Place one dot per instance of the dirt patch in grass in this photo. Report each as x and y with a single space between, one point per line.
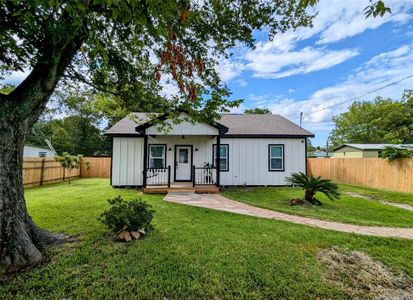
399 205
357 195
360 276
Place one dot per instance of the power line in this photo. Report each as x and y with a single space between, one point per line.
355 98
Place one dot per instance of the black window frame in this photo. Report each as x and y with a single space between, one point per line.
149 155
269 158
214 146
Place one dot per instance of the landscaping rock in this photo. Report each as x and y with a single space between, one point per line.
135 234
297 202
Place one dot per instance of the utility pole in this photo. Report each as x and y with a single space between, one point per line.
301 119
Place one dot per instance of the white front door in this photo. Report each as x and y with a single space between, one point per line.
183 163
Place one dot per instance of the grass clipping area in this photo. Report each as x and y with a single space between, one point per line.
361 276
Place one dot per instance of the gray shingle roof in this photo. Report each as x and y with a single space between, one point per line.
238 124
251 124
127 125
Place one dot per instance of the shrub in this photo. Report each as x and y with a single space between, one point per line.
69 162
392 153
312 185
131 215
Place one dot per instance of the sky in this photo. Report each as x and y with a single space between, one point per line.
344 55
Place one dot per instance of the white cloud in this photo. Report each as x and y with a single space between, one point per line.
341 19
335 21
379 71
273 63
242 82
229 70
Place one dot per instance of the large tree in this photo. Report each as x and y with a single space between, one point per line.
380 121
122 48
257 110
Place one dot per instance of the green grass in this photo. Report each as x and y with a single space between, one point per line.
193 253
347 209
390 196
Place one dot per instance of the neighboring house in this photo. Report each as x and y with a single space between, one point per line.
363 150
34 151
320 154
253 150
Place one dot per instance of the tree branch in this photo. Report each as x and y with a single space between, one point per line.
32 95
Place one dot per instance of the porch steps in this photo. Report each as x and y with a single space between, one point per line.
197 190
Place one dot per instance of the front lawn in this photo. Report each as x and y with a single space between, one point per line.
347 209
193 253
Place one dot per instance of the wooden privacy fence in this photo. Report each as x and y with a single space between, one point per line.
39 171
372 172
99 167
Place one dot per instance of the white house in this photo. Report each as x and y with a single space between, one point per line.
35 151
253 150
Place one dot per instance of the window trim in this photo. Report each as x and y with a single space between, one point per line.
149 155
214 158
269 158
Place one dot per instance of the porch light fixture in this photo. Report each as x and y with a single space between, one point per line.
169 149
196 149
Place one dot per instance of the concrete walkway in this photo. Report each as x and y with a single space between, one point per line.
218 202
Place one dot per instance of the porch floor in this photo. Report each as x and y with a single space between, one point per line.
182 187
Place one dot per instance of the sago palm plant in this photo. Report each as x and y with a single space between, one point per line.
312 185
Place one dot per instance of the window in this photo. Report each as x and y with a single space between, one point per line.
42 154
276 157
183 156
223 159
157 156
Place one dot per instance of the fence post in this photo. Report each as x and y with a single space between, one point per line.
42 172
64 173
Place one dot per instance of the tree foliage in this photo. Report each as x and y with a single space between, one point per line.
69 162
380 121
257 110
392 153
72 134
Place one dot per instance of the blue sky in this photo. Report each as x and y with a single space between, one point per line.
343 56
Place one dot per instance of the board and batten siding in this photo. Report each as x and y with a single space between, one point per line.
127 161
184 128
201 143
248 161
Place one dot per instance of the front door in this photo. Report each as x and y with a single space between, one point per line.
183 163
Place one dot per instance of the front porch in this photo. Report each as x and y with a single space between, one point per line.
181 187
181 163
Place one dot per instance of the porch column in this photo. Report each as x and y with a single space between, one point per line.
145 159
218 159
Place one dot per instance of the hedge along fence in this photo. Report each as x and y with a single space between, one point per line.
379 173
39 171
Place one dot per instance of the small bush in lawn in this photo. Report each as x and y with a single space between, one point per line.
128 219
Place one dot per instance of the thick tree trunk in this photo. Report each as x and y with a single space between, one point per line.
21 241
